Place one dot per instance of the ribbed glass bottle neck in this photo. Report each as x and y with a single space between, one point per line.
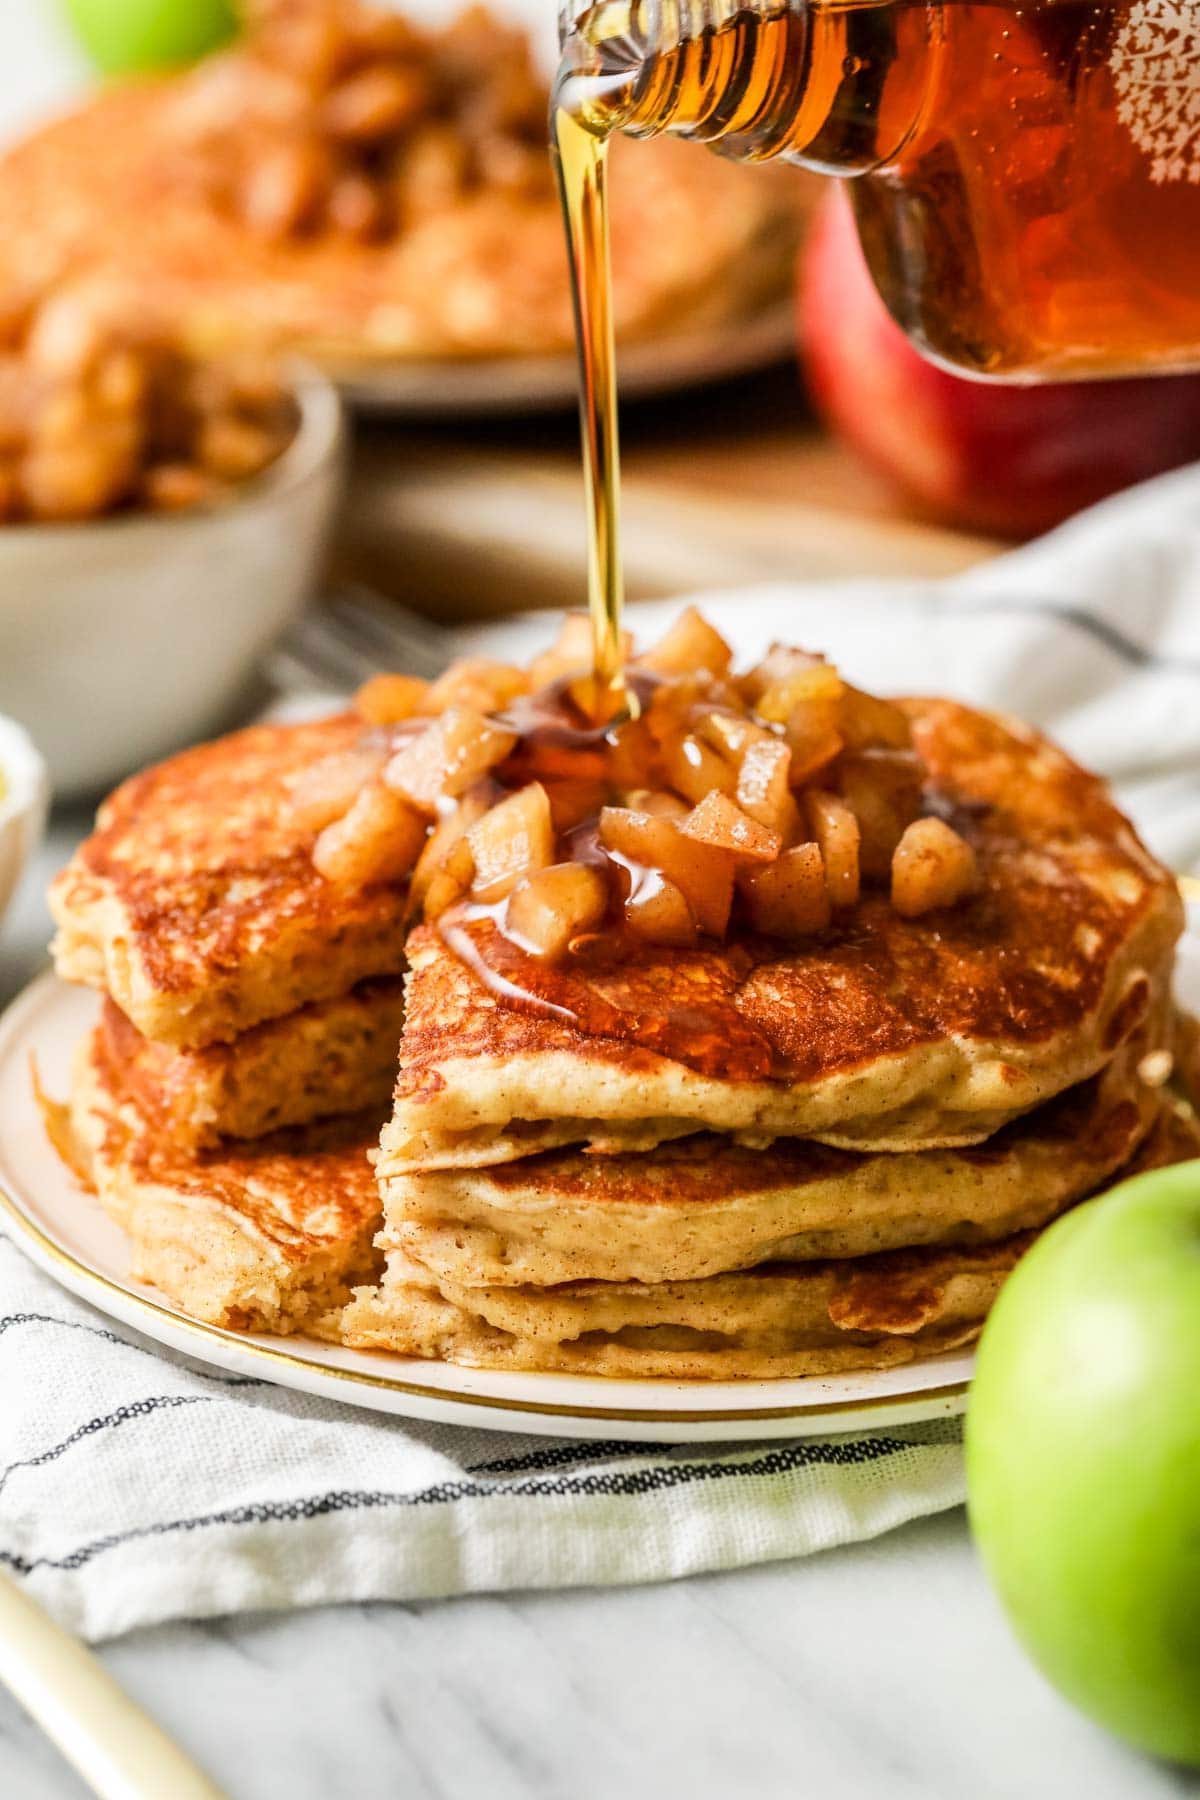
834 84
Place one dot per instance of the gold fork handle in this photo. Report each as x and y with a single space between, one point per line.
110 1742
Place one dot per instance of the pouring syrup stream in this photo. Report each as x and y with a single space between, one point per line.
581 161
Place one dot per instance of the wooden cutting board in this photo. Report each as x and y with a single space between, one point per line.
734 486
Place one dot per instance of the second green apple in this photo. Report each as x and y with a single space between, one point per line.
126 37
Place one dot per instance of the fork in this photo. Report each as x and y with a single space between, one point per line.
352 635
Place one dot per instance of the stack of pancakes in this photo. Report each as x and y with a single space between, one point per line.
789 1159
224 1104
937 1090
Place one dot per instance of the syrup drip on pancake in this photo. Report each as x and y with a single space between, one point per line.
710 1036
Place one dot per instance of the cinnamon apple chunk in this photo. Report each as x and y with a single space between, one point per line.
689 644
571 653
658 911
882 788
837 835
724 826
694 769
478 682
703 873
867 722
513 839
933 866
549 909
379 839
446 834
391 699
451 881
450 754
326 789
788 898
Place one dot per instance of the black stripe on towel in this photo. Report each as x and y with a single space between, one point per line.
136 1409
612 1484
1078 616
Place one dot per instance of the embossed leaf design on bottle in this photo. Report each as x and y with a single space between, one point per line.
1156 70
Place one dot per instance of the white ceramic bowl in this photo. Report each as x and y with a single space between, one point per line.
124 638
24 796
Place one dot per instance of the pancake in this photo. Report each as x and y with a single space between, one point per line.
885 1033
701 1206
334 1057
778 1320
195 903
694 243
264 1237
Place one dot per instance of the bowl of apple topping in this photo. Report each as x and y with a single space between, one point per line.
162 517
711 805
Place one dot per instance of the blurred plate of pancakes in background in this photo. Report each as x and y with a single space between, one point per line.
375 192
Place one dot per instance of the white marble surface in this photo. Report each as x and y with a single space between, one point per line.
883 1670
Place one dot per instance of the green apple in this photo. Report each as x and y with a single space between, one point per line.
123 37
1083 1458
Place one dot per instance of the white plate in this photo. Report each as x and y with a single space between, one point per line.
499 386
66 1234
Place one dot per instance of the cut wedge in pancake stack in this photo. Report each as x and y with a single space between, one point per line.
753 1031
225 1102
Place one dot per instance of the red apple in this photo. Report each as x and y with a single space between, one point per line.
1007 460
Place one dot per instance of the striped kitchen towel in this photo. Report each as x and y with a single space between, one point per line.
136 1488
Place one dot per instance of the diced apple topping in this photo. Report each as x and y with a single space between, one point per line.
548 910
327 789
379 839
451 753
836 831
480 683
717 821
695 770
933 866
444 837
788 898
570 654
769 799
691 643
820 685
764 785
868 723
390 699
660 805
658 911
882 788
780 662
450 883
703 873
514 839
